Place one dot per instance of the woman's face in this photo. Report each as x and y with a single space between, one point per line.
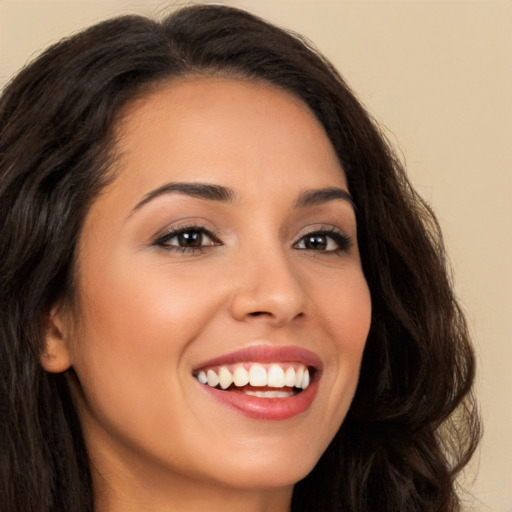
224 248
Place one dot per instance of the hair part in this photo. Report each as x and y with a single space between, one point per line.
401 446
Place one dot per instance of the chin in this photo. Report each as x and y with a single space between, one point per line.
264 477
265 469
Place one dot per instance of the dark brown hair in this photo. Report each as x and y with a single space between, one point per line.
401 445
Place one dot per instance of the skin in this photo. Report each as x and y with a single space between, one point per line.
146 314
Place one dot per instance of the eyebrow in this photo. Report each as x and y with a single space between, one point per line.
320 196
199 190
308 198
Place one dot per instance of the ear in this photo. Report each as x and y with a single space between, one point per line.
56 357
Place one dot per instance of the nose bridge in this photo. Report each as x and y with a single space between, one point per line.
267 284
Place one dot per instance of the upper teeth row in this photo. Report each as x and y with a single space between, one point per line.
256 375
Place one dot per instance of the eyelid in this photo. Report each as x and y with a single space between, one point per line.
182 224
160 239
340 236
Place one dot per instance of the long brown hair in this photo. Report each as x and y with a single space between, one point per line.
412 425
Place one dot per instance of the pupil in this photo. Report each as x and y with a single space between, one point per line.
316 242
190 239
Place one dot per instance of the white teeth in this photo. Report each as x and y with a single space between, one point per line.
269 394
275 376
298 377
257 375
240 376
225 377
289 377
305 379
213 378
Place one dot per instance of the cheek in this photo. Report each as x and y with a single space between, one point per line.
353 316
146 307
135 328
349 325
344 309
344 315
133 334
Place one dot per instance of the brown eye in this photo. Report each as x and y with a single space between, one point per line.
190 239
316 242
185 239
324 241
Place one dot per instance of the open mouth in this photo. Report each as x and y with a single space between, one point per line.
263 382
272 380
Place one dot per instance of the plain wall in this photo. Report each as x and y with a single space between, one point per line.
438 76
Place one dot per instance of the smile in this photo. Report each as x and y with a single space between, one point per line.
294 377
270 383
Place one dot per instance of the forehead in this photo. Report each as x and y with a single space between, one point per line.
218 128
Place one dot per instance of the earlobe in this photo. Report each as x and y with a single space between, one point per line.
56 357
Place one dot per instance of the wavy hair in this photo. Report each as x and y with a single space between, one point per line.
412 425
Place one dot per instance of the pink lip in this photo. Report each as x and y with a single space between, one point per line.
266 408
265 354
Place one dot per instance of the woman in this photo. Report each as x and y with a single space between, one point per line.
218 289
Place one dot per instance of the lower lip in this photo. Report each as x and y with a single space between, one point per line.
275 409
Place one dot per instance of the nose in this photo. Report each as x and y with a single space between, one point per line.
267 289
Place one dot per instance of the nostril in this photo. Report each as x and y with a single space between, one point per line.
256 314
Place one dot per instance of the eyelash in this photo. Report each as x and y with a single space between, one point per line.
342 241
163 241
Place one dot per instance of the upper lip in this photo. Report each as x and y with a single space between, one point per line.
265 354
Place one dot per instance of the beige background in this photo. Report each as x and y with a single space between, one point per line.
438 76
